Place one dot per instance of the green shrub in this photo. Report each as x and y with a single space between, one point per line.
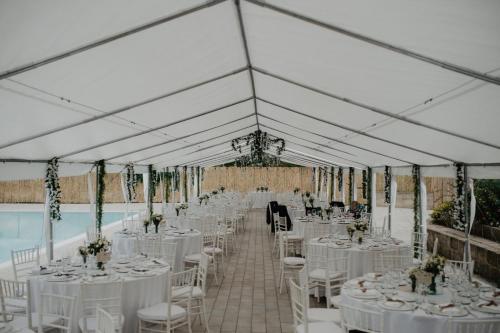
443 214
487 192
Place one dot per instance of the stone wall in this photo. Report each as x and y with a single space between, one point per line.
485 253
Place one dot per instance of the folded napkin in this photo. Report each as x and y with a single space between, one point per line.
490 303
389 299
446 306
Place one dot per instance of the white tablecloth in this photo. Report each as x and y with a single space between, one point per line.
124 245
137 293
362 261
411 321
261 199
334 227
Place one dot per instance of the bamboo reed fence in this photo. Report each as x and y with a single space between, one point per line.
278 179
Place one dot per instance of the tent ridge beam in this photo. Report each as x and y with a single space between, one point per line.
415 55
154 128
374 109
105 40
313 148
123 109
357 131
247 56
179 138
335 140
298 152
194 144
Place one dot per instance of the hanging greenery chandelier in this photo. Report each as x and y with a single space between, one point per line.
260 144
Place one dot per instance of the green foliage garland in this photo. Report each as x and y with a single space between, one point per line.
151 189
100 188
365 181
340 180
369 181
351 184
387 184
459 213
53 189
130 182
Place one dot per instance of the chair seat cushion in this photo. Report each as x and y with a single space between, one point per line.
212 250
159 312
294 237
92 323
193 257
322 314
182 292
46 320
336 300
320 327
15 305
294 261
320 274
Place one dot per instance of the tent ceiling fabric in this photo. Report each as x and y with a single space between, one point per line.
169 83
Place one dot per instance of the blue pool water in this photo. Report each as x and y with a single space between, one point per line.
20 230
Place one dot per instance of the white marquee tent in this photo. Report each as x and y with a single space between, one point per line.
345 83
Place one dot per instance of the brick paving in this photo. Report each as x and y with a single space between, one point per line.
248 298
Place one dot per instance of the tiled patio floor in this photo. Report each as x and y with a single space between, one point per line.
248 298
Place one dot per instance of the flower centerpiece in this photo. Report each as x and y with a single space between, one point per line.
181 208
350 230
296 190
221 189
427 272
434 265
204 198
156 219
215 192
266 188
84 252
100 248
360 227
328 212
146 225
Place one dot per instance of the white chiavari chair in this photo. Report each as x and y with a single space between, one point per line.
13 298
107 295
105 322
168 252
24 261
327 269
170 315
54 312
300 310
289 264
149 246
198 305
395 262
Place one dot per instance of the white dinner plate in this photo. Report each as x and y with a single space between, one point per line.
396 305
63 278
364 293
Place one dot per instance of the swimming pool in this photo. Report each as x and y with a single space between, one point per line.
20 230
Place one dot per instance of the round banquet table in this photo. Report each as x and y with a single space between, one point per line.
362 257
336 226
137 293
125 244
411 321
